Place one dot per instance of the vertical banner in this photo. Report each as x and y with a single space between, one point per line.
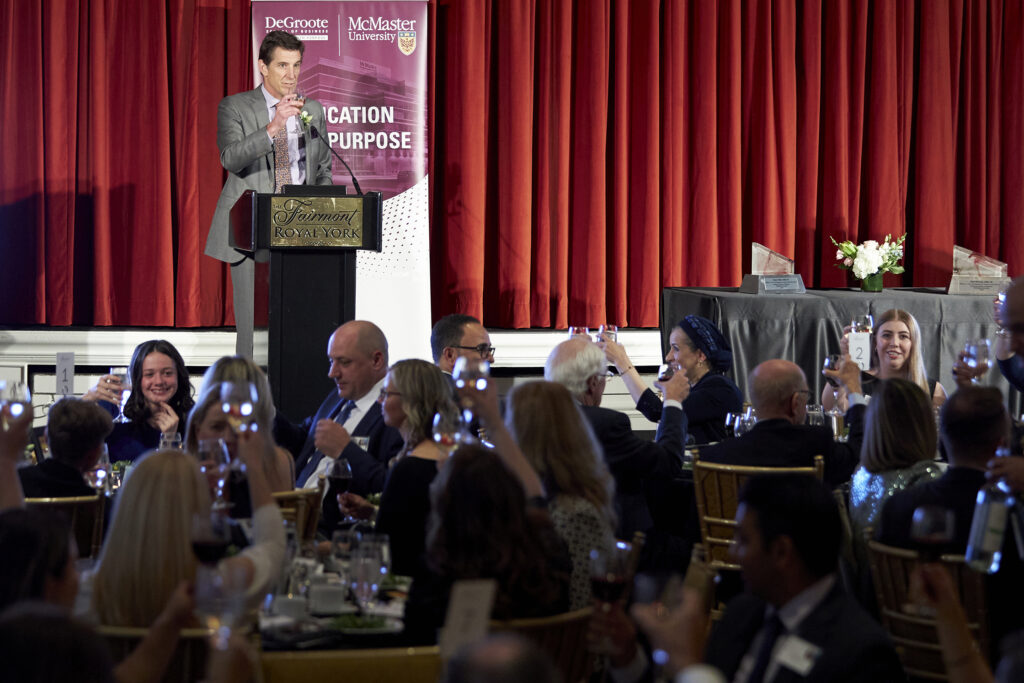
366 63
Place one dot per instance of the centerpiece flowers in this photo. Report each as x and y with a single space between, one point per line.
870 260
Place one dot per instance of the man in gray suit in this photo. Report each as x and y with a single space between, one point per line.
264 145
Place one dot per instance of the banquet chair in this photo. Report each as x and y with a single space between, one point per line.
84 513
912 630
302 507
563 637
188 662
406 664
717 488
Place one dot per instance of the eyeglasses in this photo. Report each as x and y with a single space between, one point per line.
485 350
384 393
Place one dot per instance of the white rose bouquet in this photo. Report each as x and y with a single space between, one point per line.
870 258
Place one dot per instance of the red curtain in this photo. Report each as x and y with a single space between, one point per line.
584 154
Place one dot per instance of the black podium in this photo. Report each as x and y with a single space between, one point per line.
304 242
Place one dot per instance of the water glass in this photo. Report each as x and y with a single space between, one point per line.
17 398
214 463
815 415
170 440
365 576
238 401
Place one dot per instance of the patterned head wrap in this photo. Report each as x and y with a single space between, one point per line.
706 337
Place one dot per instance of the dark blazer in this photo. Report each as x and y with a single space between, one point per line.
710 399
779 443
633 461
53 479
369 466
853 646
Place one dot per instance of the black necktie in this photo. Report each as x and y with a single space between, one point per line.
340 415
769 634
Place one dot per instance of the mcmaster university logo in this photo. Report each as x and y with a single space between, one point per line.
407 42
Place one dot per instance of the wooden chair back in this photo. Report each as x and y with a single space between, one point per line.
407 664
717 488
188 662
85 514
913 630
563 637
302 508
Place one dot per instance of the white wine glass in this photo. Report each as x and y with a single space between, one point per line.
124 378
238 403
977 355
214 463
470 372
449 430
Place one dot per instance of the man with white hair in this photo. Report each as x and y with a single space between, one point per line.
636 465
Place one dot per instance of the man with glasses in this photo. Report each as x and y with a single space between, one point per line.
458 335
636 464
779 394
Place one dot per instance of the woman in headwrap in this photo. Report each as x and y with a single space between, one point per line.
697 348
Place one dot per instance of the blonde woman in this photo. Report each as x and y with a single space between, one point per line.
895 353
413 392
206 421
558 442
148 549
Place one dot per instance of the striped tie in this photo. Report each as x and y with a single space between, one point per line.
282 164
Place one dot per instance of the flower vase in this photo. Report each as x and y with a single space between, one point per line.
872 283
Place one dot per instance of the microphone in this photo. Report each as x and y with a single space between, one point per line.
314 133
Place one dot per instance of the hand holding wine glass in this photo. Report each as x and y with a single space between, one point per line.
214 463
976 355
211 536
123 378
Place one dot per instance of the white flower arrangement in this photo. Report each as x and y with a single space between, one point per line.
305 117
870 258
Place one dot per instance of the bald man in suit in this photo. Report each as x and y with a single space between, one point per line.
247 125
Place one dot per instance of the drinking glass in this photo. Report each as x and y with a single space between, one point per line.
608 332
665 372
171 441
214 462
219 600
16 397
977 355
211 536
97 479
472 372
609 568
339 478
730 424
237 402
122 375
365 576
579 331
449 430
342 544
931 529
744 423
381 545
862 323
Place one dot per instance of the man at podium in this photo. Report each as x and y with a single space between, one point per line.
265 143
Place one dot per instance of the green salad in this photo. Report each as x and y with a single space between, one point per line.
358 621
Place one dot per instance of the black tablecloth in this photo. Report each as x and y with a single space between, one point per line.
804 328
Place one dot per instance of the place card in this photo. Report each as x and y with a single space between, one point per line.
65 373
469 613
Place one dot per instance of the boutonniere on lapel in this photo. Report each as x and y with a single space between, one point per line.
305 117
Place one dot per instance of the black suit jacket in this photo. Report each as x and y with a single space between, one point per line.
634 462
369 466
779 443
53 479
853 647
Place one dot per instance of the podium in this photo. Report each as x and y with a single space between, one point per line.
304 242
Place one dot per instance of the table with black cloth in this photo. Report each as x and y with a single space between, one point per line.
804 328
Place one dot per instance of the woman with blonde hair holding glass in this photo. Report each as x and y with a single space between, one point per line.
895 353
557 440
208 421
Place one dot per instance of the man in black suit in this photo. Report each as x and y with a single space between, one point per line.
973 424
348 423
795 622
458 335
779 394
636 465
75 431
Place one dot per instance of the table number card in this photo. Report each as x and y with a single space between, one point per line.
65 373
860 349
469 611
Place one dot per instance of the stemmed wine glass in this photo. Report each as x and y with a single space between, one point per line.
237 402
214 462
449 430
609 569
470 372
862 323
170 440
931 530
977 356
211 536
219 600
16 397
124 377
579 331
608 332
365 575
339 478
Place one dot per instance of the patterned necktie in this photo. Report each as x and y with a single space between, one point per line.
340 415
282 164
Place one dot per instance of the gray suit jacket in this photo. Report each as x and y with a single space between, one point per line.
247 153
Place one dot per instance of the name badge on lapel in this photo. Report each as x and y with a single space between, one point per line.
797 655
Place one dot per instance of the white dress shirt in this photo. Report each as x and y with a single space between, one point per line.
296 140
358 413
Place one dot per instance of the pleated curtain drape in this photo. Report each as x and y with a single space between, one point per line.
584 154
